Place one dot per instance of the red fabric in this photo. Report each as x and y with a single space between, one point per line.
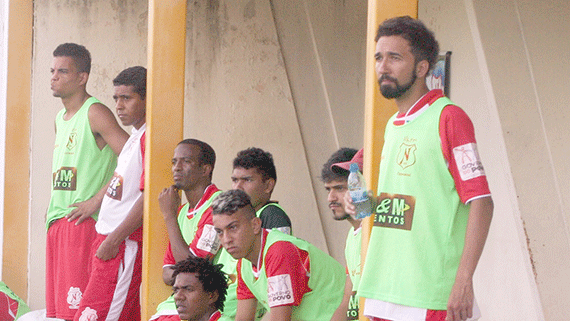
281 258
143 149
68 262
206 219
8 307
104 290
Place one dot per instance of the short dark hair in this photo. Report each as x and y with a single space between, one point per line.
78 53
254 157
421 39
342 155
211 276
207 154
133 76
231 201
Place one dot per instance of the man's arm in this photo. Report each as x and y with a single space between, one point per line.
106 129
169 201
280 313
246 310
84 210
460 304
110 246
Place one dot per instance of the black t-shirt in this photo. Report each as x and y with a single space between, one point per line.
272 216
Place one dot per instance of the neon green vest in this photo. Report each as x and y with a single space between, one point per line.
420 222
21 305
326 281
188 228
79 167
352 255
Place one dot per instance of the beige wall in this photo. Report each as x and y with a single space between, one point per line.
286 79
116 36
289 79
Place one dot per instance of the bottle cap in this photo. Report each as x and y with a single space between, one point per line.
353 167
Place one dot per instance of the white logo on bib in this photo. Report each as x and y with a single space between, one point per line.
279 290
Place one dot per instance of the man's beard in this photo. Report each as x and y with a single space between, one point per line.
390 92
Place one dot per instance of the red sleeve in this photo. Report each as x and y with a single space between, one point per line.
143 149
287 268
243 292
205 242
460 152
168 257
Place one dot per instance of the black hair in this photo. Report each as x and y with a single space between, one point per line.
211 276
231 201
78 53
328 173
254 157
421 39
133 76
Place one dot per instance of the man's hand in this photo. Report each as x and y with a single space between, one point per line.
169 201
107 250
460 304
83 210
350 209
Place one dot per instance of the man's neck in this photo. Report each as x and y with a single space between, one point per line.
194 195
409 98
260 205
207 314
74 102
256 249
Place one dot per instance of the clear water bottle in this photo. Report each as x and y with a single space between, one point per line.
359 193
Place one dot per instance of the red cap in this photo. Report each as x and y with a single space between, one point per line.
358 159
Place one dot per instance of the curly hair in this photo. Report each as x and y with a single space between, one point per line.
254 157
211 276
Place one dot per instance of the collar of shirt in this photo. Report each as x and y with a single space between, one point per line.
418 108
211 189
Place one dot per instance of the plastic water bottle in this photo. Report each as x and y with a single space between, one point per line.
359 193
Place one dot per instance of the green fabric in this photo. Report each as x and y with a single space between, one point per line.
419 226
326 280
352 256
22 306
80 169
188 228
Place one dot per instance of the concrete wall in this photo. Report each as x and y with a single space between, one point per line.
273 75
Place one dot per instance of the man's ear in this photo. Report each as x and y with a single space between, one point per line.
213 297
422 69
256 225
83 77
269 185
207 169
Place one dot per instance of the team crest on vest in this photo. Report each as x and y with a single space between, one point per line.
72 139
406 155
74 297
